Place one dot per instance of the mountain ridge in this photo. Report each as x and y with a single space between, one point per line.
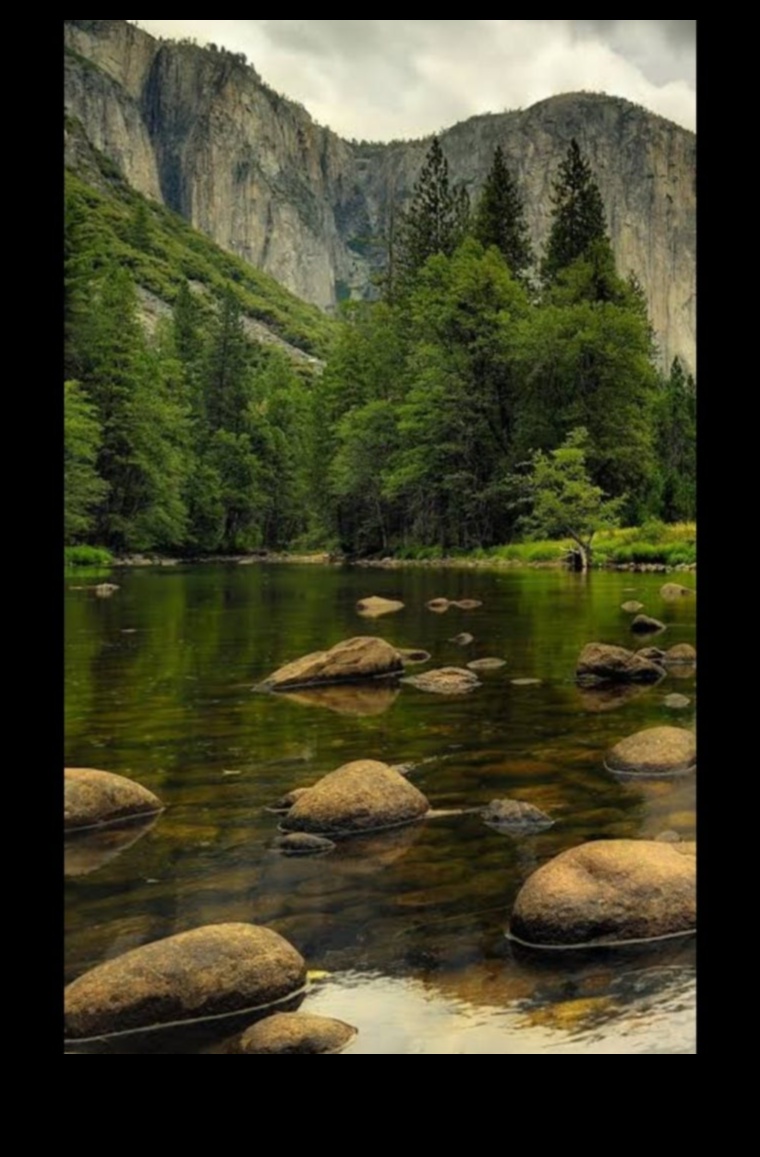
199 131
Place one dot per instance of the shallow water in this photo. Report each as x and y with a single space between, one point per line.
408 925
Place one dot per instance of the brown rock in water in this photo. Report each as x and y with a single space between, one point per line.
295 1032
364 795
373 607
676 702
644 625
463 639
285 802
675 591
411 656
468 604
438 605
600 662
608 891
653 654
609 696
681 653
488 664
222 968
105 590
631 607
654 751
445 681
91 798
515 815
353 660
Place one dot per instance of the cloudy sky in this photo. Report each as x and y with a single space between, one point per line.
380 79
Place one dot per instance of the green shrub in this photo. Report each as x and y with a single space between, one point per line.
87 556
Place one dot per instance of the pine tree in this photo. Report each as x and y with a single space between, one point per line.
226 373
578 218
500 219
435 222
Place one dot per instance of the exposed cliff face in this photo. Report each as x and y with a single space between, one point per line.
200 131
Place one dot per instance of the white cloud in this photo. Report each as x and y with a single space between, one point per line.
380 79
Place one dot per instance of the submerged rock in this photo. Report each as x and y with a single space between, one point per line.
438 605
644 625
285 802
676 702
105 590
374 606
488 664
92 797
632 607
605 892
91 848
654 751
445 681
211 971
463 639
364 657
364 795
600 662
295 1032
525 681
515 815
302 844
608 696
653 654
468 604
675 591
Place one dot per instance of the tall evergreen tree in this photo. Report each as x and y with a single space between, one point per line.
435 222
578 218
500 218
226 377
83 489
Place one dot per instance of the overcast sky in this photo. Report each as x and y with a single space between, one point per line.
383 79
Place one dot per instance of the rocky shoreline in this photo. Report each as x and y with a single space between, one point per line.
323 558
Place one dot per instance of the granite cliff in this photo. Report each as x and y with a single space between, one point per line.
199 130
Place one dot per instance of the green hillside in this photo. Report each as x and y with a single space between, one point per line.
162 252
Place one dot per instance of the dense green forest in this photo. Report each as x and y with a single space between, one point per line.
428 426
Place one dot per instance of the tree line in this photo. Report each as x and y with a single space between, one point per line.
438 405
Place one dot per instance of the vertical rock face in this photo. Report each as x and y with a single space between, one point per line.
199 130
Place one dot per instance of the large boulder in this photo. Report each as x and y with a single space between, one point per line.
655 751
606 892
601 663
361 796
295 1032
353 660
445 681
374 606
211 971
672 591
91 798
645 625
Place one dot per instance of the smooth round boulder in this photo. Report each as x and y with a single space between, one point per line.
210 971
364 657
654 751
645 625
93 798
445 681
463 639
515 815
603 663
361 796
373 607
632 607
295 1032
303 844
681 653
488 664
607 892
674 591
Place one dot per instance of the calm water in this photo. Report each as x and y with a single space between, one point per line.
408 926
